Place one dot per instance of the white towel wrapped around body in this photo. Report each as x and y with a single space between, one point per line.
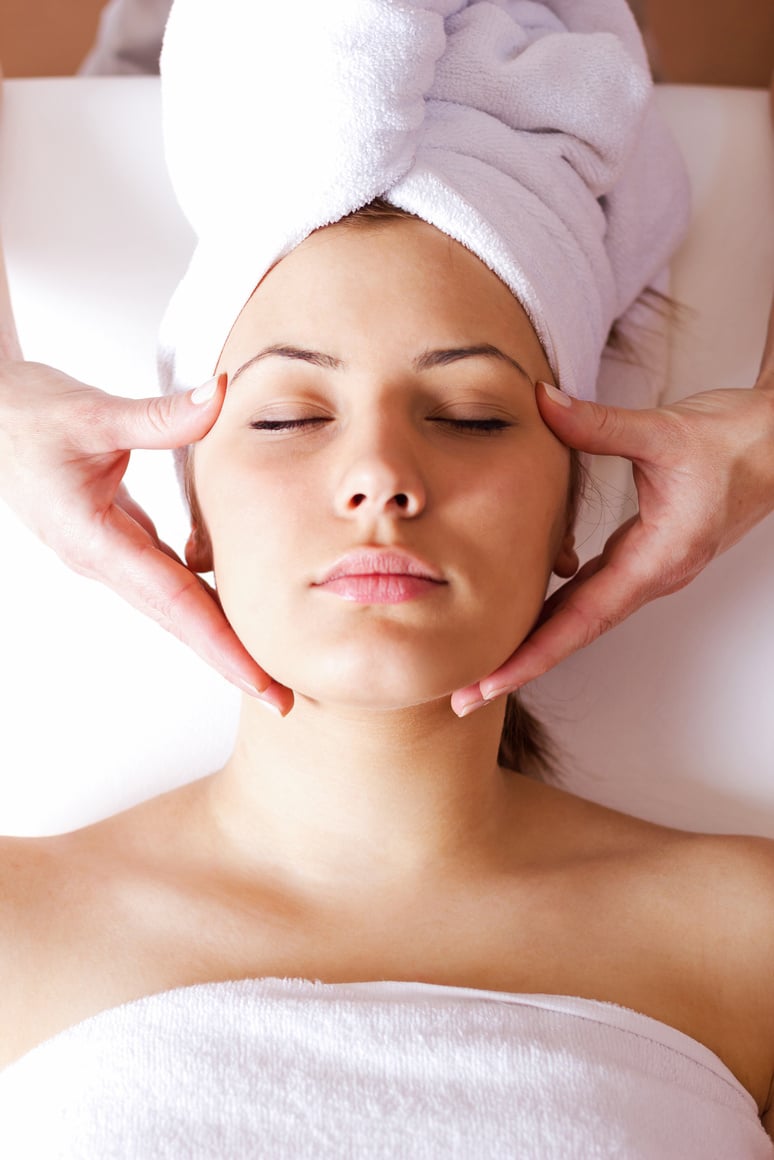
525 130
290 1069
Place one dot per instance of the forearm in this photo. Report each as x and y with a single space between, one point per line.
766 373
9 338
765 384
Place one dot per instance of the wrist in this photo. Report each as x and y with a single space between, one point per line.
766 373
765 380
765 386
10 350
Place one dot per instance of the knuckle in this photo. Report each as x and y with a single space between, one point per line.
669 439
168 605
86 416
608 420
590 625
683 572
82 547
157 414
105 419
78 552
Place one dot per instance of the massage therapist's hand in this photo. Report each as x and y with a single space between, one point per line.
64 449
704 472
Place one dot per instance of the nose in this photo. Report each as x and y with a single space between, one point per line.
381 478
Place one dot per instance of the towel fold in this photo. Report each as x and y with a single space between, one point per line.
527 131
289 1068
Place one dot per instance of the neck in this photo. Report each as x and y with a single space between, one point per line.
332 799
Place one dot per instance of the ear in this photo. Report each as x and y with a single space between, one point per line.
566 563
198 550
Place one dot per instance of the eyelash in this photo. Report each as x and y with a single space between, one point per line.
477 426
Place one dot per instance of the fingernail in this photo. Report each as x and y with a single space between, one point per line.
470 707
493 694
253 690
556 395
205 392
269 705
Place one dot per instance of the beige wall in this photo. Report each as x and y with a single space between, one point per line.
46 37
728 42
720 42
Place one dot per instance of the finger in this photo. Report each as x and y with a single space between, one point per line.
173 596
472 697
561 595
156 424
124 500
648 435
598 604
464 701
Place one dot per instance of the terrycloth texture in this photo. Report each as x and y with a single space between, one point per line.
525 130
282 1068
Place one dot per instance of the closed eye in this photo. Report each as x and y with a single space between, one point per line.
478 426
284 424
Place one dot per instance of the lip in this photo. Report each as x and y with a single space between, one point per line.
373 562
380 576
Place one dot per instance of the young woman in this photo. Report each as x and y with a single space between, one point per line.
382 507
381 518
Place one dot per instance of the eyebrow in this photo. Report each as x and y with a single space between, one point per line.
423 362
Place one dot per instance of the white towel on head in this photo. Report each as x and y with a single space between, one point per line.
290 1069
525 130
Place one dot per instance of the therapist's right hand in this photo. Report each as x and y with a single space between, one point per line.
64 449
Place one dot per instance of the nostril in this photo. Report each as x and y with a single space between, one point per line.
400 499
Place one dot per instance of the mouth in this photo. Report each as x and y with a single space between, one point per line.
380 577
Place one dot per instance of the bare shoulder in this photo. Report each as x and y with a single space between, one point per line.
25 877
704 906
96 917
55 890
734 874
721 886
60 925
27 887
728 880
41 881
738 889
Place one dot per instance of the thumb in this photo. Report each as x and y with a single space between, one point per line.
598 429
163 421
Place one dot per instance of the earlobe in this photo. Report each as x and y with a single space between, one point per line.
566 563
198 551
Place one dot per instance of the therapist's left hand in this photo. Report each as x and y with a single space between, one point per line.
704 472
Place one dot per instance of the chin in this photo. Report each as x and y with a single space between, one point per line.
379 678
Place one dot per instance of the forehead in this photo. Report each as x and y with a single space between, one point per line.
387 288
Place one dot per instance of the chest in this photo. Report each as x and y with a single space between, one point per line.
585 932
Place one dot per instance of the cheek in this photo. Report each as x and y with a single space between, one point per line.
250 516
524 529
261 517
520 512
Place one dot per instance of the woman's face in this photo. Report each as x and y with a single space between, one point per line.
362 446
